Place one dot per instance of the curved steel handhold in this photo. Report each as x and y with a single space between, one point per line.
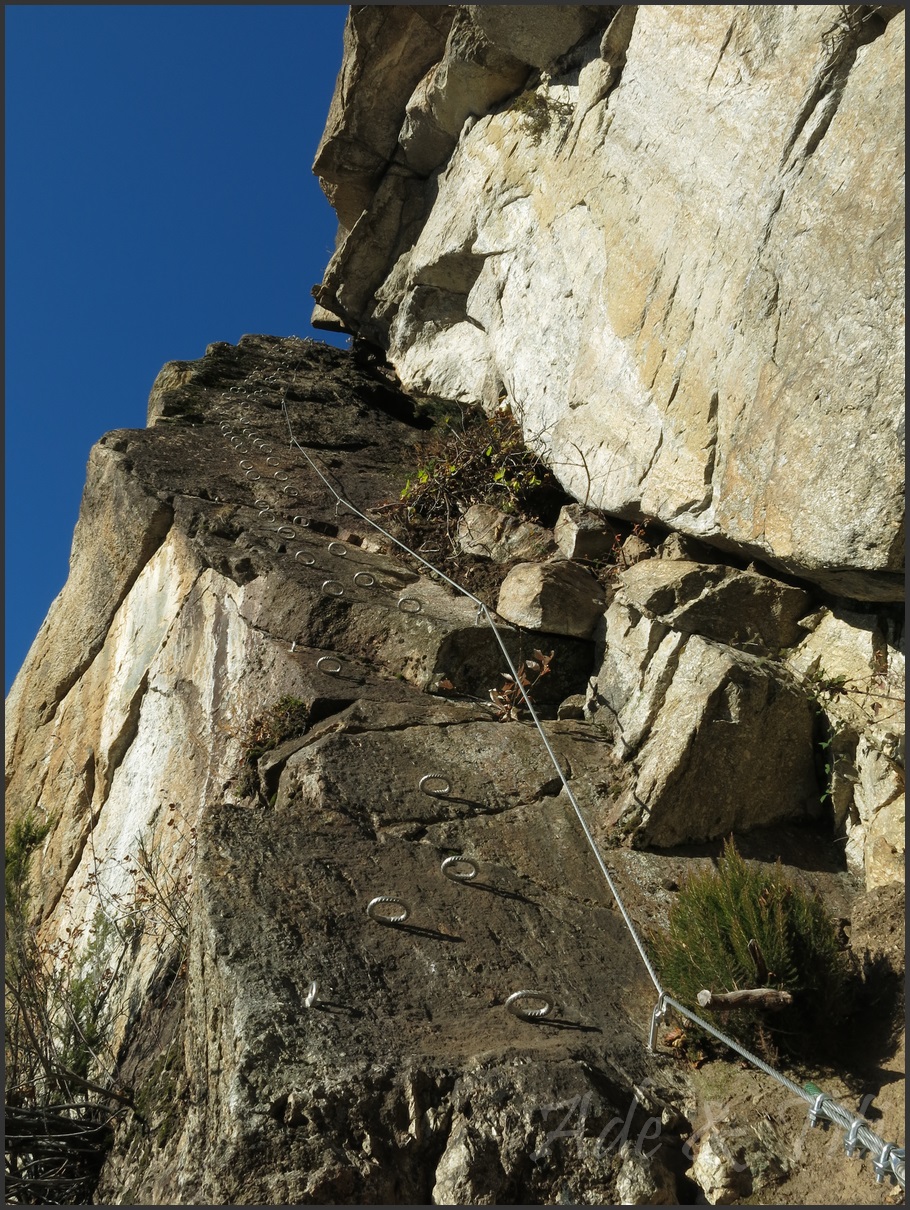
290 491
323 665
263 511
303 522
409 605
333 588
281 476
252 476
338 548
364 579
513 1004
272 462
438 793
310 998
245 464
375 910
268 449
449 868
285 531
305 558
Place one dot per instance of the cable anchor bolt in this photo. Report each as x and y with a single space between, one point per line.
660 1011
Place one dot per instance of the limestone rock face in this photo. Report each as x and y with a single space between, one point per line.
680 253
282 1046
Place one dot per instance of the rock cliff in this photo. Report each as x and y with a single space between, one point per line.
671 234
249 715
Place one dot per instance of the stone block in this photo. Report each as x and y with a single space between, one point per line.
558 597
581 534
492 534
741 608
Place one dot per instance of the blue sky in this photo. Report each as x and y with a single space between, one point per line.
159 196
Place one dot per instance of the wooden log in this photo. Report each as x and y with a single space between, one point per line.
751 997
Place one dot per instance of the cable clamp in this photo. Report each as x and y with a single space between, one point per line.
882 1166
851 1142
815 1112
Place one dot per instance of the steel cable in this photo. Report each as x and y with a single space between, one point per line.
890 1159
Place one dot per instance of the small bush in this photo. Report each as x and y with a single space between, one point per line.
483 461
537 111
745 926
287 718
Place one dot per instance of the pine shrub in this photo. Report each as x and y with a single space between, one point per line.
744 925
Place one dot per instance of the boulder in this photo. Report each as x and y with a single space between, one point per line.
558 597
581 534
716 740
387 49
852 670
492 534
472 76
741 608
535 33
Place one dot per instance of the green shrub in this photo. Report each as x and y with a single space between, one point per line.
742 925
537 112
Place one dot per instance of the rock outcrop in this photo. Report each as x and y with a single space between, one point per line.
277 1043
285 827
679 251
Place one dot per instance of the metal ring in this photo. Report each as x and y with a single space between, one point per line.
267 449
308 560
364 579
263 511
422 785
329 586
324 660
303 522
225 427
513 1004
246 465
241 449
405 605
261 504
448 868
236 439
258 442
290 491
252 476
388 918
285 531
272 462
338 548
281 476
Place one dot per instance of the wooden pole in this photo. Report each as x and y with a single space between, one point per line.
753 997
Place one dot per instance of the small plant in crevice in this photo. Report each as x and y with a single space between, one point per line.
288 717
741 926
508 701
478 460
537 112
